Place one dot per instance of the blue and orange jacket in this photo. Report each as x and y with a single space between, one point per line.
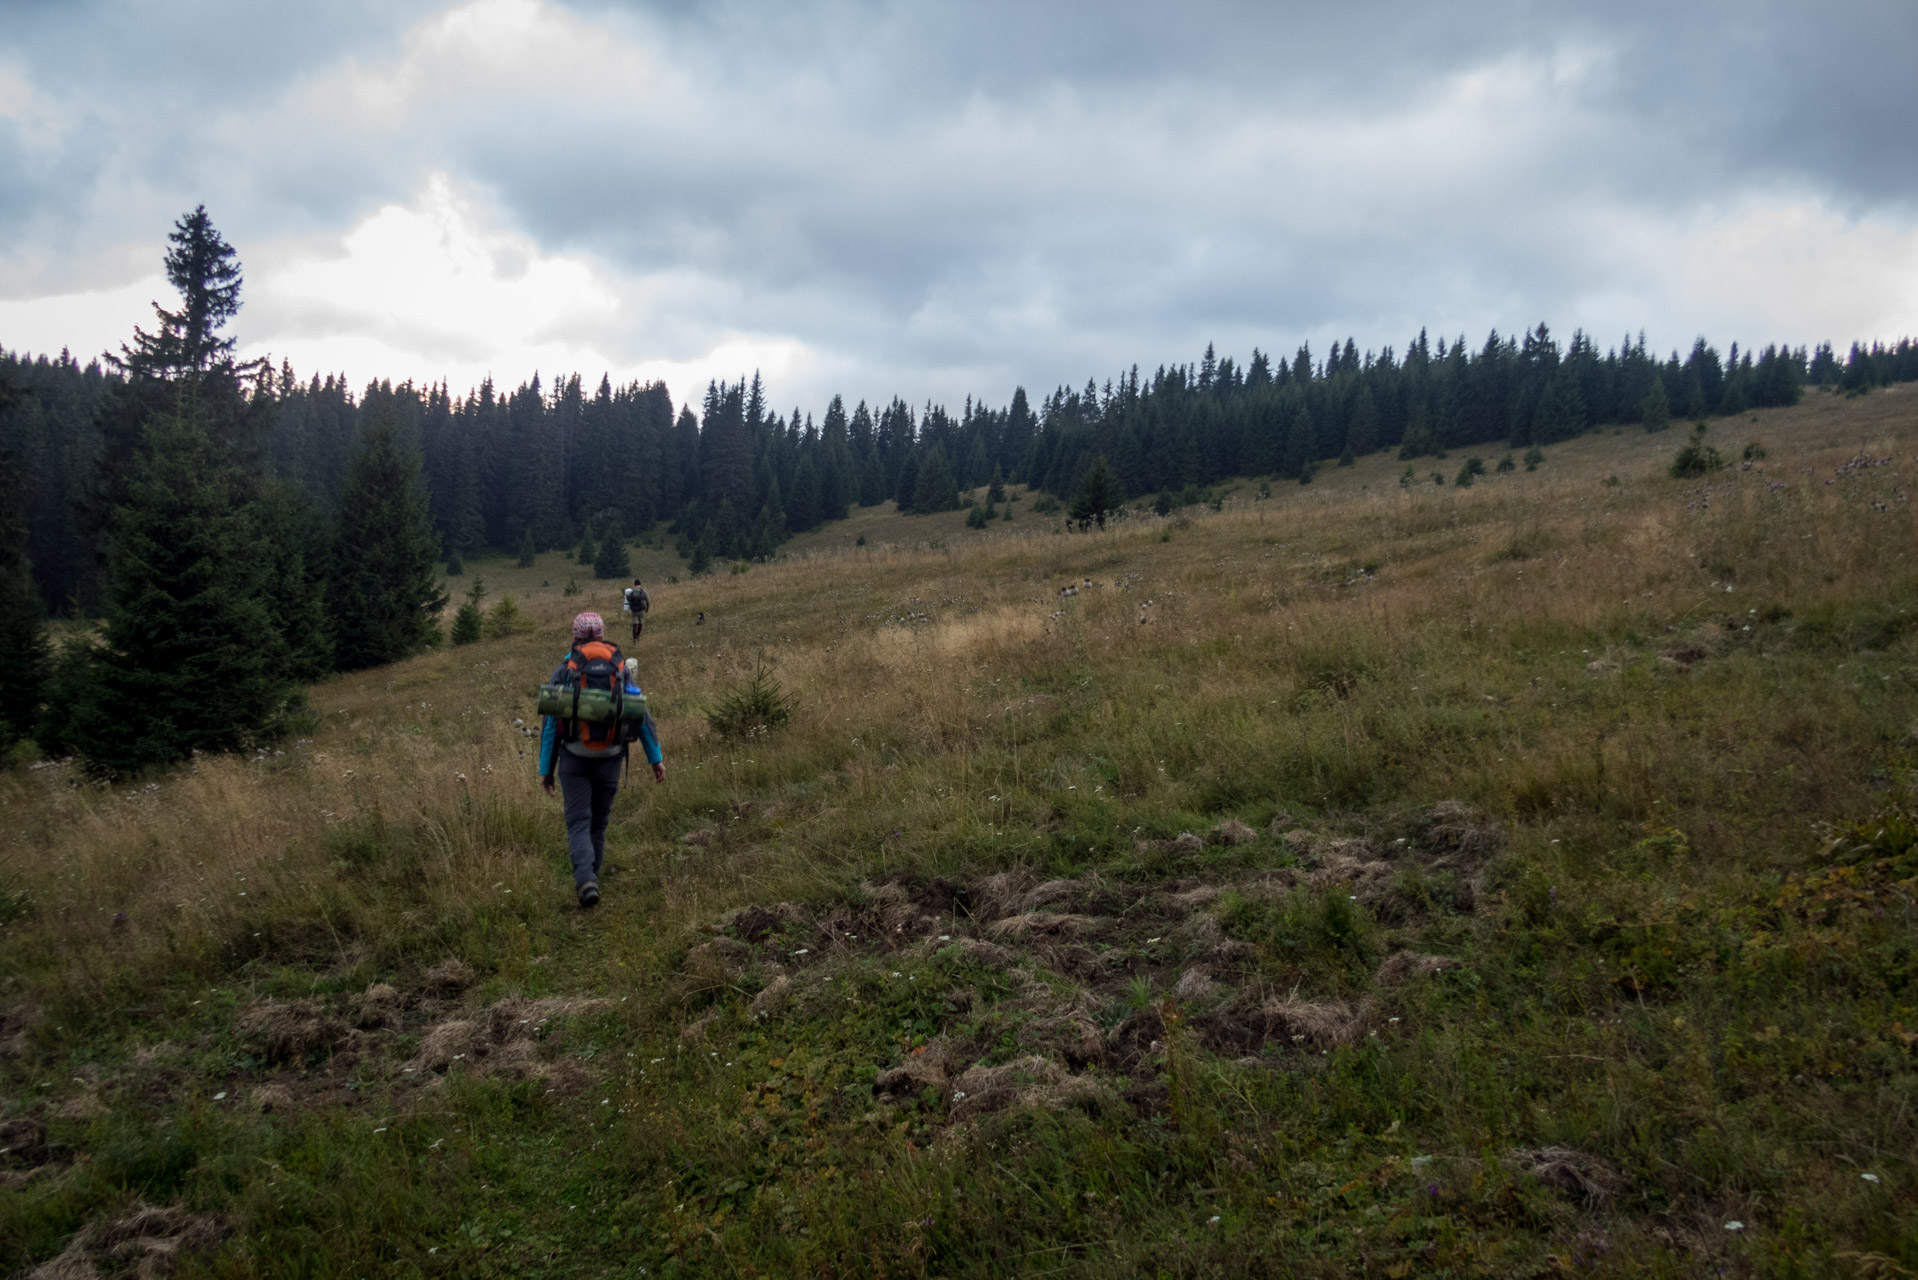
549 743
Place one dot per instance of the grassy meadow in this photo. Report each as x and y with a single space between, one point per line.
1381 879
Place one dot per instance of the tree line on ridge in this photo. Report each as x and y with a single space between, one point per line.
314 525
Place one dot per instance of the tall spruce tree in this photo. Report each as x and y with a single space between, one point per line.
908 481
191 659
612 560
386 583
186 366
1561 410
802 505
1099 495
1657 414
293 551
1362 433
23 645
935 488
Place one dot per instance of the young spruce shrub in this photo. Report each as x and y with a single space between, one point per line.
505 619
751 708
1697 458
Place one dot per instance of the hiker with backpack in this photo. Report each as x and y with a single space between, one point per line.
594 707
637 603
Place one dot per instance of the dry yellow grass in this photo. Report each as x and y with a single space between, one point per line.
1566 650
899 647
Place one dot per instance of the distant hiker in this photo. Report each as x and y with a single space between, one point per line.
700 621
585 755
637 603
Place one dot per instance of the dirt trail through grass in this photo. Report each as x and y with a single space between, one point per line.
1414 880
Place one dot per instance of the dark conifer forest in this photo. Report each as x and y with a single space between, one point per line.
343 502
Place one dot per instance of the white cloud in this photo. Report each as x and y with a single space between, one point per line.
1767 266
439 289
86 323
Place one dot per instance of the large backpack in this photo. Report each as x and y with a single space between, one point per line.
637 601
594 668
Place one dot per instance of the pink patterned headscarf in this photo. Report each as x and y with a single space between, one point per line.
588 626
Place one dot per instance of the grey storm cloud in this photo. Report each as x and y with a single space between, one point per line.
936 199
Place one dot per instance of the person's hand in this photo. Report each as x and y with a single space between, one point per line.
659 773
547 783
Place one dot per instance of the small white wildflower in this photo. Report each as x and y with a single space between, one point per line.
1734 1225
1869 1177
220 1095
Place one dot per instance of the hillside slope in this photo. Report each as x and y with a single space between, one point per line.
1515 879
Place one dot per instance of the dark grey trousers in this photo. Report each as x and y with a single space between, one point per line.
588 786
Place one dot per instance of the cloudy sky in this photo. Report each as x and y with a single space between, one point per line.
943 199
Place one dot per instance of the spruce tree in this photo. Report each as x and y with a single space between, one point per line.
802 505
724 533
186 367
1362 434
996 490
1561 410
24 656
1658 408
612 560
192 656
872 481
191 659
1099 495
387 591
977 465
1301 446
908 482
935 488
470 621
527 548
293 551
588 553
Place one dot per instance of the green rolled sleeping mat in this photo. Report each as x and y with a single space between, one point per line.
595 706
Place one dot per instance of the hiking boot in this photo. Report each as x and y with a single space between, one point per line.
589 894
